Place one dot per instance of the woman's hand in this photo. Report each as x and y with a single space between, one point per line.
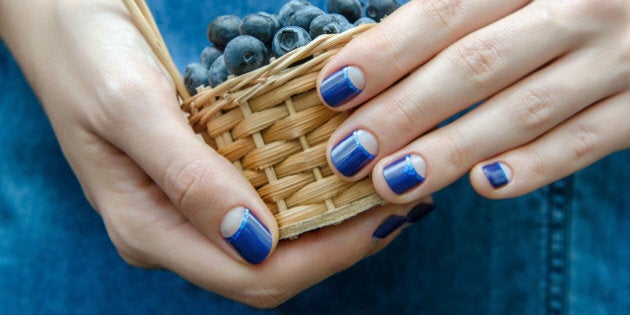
167 199
554 78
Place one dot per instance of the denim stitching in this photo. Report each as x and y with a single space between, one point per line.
558 246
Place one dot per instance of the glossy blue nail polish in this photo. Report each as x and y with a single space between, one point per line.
353 152
251 239
341 86
420 211
391 224
402 175
496 174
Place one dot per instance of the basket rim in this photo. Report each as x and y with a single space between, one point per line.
317 46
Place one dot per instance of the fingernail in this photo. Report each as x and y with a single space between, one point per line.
405 173
354 152
389 225
251 239
341 86
498 174
418 212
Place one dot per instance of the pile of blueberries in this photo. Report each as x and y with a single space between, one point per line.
242 45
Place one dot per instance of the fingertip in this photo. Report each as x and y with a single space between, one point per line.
341 86
405 173
393 225
352 154
247 234
402 178
493 179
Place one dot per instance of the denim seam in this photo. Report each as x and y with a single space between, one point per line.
558 246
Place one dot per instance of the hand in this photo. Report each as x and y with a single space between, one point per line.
553 77
163 194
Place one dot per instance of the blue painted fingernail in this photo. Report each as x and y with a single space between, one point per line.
498 174
389 225
420 211
246 234
354 152
404 174
341 86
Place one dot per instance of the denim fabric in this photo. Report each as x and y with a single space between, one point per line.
563 249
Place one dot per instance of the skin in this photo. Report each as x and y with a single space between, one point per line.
160 191
555 77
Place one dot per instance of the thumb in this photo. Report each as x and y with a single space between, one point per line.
208 190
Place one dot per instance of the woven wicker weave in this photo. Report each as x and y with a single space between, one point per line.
272 125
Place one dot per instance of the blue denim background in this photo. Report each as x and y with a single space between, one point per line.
562 249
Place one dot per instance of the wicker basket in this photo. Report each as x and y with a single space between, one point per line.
273 126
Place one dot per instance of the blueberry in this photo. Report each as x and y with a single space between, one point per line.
325 24
289 8
304 16
195 76
289 38
245 53
364 20
351 9
223 29
378 9
275 20
345 24
209 55
218 73
260 25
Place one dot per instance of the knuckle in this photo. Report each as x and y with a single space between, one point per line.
403 109
187 182
445 14
110 111
533 109
537 163
127 96
480 58
459 151
583 141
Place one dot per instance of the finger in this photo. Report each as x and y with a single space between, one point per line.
587 137
149 231
295 265
168 240
472 69
148 126
394 224
403 41
138 114
508 120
